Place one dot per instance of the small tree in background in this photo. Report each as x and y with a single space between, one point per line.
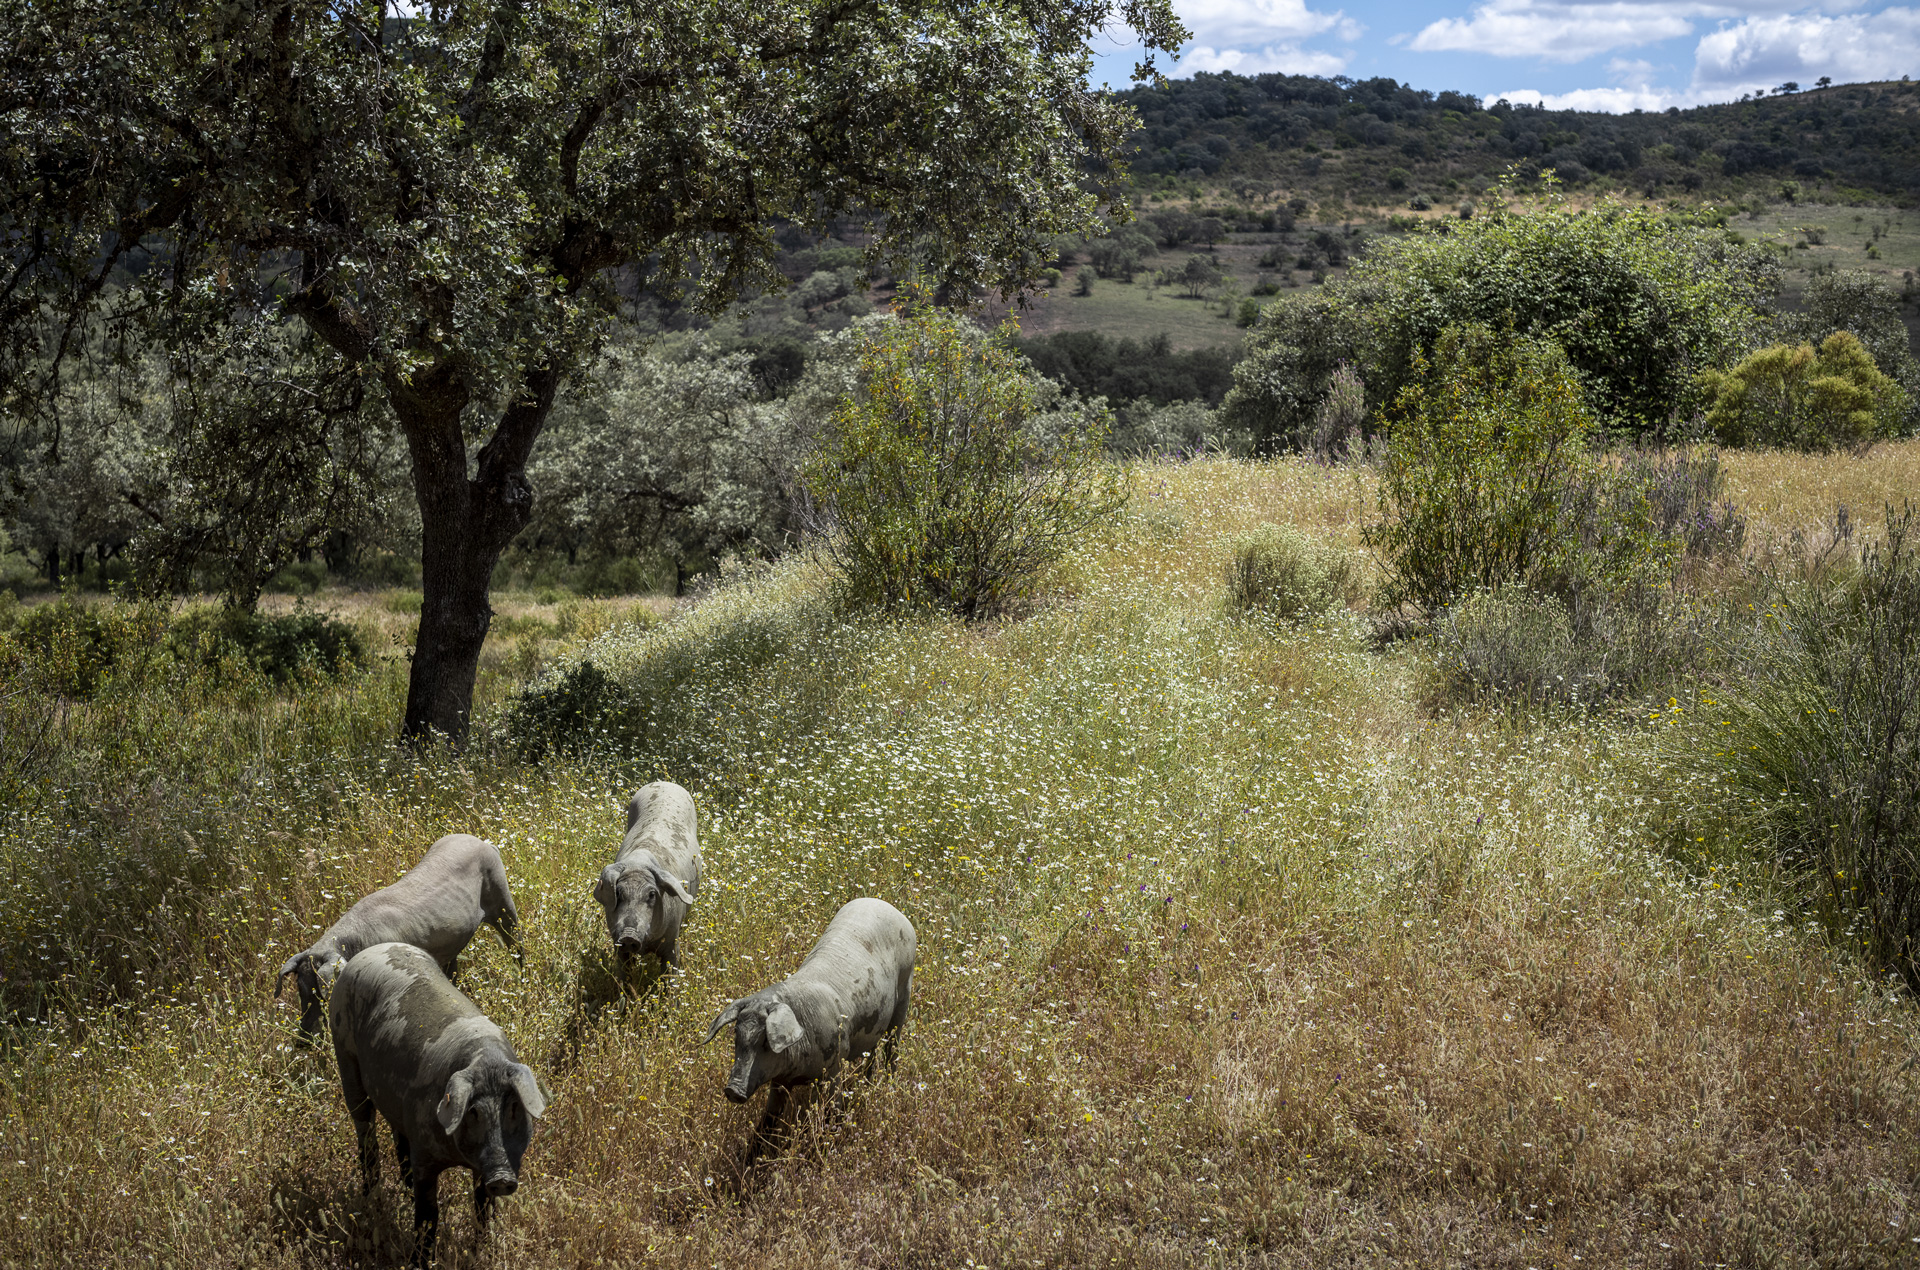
945 482
1796 397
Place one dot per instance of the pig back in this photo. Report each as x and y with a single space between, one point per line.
866 955
661 819
407 1028
437 905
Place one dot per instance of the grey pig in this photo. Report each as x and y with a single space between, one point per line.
848 996
437 906
653 879
411 1046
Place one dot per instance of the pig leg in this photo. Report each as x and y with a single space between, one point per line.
426 1214
890 1049
504 923
776 1123
403 1152
360 1108
482 1204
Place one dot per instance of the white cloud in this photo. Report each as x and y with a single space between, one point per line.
1758 53
1251 36
1630 72
1617 101
1242 23
1556 32
1574 30
1288 59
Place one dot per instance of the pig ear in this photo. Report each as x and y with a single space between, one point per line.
527 1085
668 882
783 1030
726 1016
288 971
453 1108
603 888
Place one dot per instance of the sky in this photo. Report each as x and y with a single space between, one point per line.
1617 55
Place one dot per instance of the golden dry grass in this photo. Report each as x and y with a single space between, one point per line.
1230 956
1784 492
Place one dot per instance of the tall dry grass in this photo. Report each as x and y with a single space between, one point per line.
1231 955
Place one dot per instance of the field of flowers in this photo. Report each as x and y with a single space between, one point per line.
1231 953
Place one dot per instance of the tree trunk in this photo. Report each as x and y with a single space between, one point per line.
465 523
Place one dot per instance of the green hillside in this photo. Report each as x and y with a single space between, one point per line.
1380 143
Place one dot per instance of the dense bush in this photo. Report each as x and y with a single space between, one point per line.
1639 305
278 646
1817 736
1609 614
1802 398
945 483
1282 572
1482 451
1861 303
72 649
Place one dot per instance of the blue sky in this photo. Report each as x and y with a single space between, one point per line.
1616 55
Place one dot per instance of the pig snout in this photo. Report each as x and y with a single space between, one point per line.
742 1083
629 943
502 1183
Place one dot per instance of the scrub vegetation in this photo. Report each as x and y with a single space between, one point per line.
1236 949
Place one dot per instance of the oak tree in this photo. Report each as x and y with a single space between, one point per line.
450 195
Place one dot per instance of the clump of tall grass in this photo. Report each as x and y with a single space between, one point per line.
1815 737
1280 571
1606 614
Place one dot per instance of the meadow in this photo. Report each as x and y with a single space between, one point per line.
1231 953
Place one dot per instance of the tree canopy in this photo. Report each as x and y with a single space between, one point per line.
450 197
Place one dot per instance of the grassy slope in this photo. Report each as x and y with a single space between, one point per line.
1229 956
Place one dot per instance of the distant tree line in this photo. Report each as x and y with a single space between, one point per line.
1274 128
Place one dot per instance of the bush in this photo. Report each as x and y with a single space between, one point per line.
69 649
279 647
1863 304
1483 449
1519 646
1513 644
1817 737
1280 571
1796 397
1337 423
943 484
1638 306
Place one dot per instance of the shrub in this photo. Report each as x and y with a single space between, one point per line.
1862 303
278 646
1280 571
1511 643
942 484
1083 280
1797 397
1638 305
1605 617
1480 454
1817 736
69 648
1517 645
1337 423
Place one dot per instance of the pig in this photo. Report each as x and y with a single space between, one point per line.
413 1047
652 881
437 906
846 999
